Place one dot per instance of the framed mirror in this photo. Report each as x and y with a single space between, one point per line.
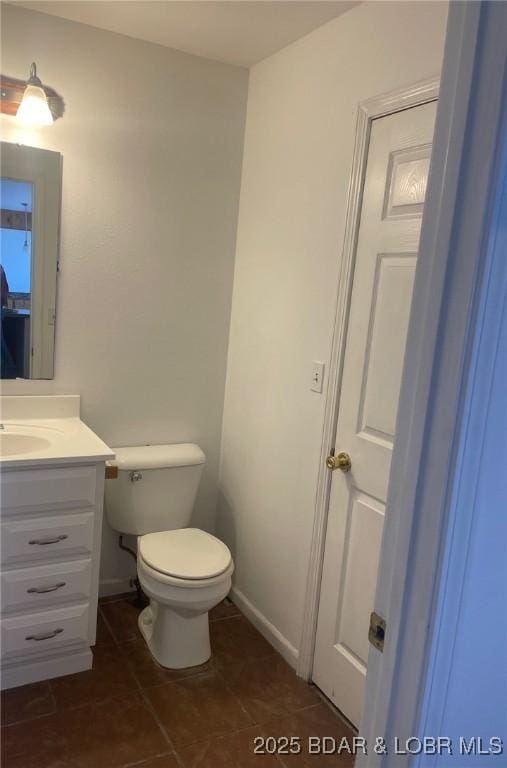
30 199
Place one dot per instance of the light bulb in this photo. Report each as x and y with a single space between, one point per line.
34 108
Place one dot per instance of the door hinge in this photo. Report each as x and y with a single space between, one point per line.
377 631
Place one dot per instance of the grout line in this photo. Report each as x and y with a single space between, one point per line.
147 760
211 737
53 697
34 717
128 670
301 711
264 732
91 703
157 719
177 680
116 598
336 712
179 760
110 629
253 723
235 696
226 618
169 680
28 720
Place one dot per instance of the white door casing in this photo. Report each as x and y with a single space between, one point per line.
393 198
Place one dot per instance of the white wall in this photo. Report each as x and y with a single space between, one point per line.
296 166
152 143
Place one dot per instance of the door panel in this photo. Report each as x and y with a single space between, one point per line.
388 240
362 547
392 292
407 177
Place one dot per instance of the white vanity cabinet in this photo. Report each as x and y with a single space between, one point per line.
50 535
51 521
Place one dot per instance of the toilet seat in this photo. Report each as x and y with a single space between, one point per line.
186 554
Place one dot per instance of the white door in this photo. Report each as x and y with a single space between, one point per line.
388 240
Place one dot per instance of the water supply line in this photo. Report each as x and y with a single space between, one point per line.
141 597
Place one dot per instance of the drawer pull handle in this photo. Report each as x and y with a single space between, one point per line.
49 540
45 635
42 590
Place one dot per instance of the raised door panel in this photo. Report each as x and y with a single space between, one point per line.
362 545
48 489
44 586
46 538
43 632
407 179
389 316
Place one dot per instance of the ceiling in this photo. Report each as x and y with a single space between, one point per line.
238 32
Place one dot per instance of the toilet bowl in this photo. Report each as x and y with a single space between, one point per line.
185 573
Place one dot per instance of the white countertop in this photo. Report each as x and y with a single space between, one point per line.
53 421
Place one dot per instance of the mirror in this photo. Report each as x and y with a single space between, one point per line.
30 196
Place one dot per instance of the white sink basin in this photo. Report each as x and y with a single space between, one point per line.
17 439
45 429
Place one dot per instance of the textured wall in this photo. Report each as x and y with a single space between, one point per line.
152 143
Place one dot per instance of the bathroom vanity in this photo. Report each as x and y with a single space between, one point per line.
52 470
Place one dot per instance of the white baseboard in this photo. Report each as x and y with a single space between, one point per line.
109 587
268 630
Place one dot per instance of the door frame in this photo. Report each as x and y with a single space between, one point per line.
453 270
414 95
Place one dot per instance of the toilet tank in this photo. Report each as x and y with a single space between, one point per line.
155 489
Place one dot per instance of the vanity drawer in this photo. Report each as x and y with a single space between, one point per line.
31 588
46 537
44 631
47 489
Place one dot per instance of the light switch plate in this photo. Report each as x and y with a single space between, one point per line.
317 380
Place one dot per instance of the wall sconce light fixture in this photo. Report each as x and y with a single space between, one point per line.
34 107
45 100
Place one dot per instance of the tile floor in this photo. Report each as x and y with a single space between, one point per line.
128 711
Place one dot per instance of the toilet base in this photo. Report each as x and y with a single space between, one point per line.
175 640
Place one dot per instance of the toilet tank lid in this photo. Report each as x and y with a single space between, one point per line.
158 456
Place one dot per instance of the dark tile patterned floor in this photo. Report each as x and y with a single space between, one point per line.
129 711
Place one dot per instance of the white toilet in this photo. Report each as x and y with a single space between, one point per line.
184 571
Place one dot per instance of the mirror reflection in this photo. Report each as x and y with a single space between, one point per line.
15 276
30 189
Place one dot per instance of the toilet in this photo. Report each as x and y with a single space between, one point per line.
184 571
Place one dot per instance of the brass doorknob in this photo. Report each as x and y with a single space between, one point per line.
341 461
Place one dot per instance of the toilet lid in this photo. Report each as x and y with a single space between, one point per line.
186 553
